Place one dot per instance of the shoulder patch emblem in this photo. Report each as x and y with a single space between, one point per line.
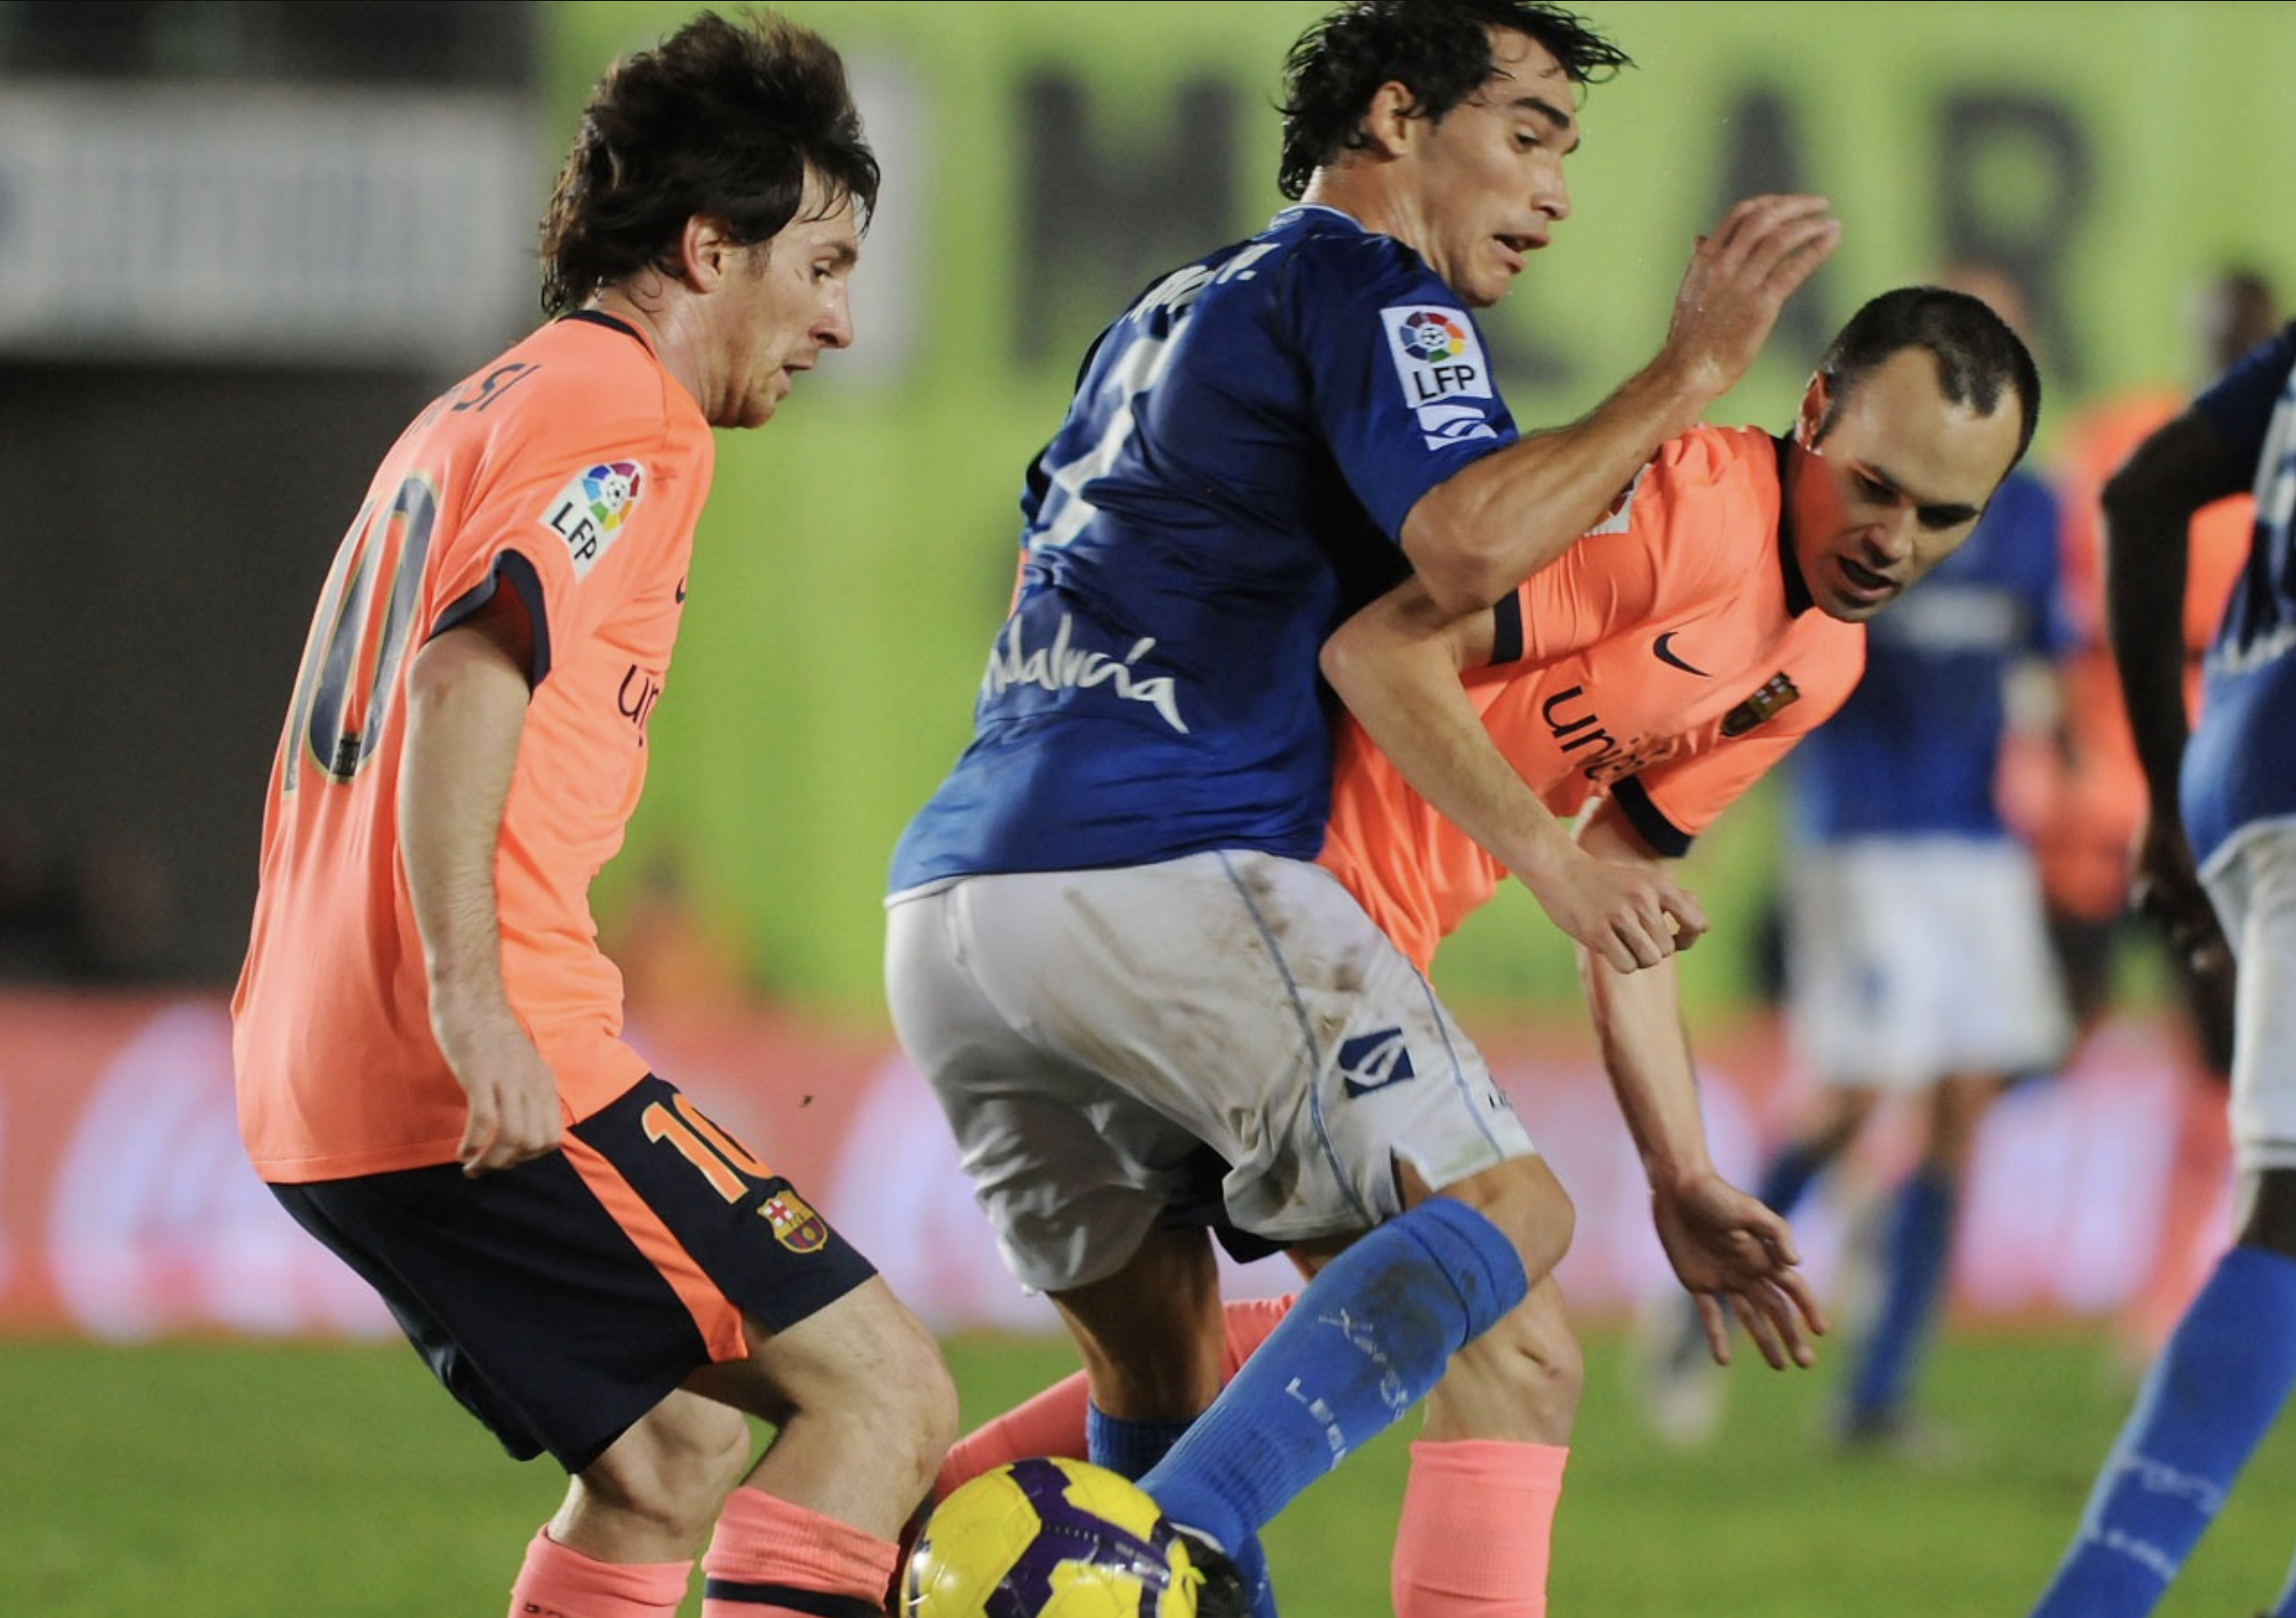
1439 361
1776 693
590 511
795 1224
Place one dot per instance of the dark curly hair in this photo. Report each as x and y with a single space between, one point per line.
1440 49
724 119
1978 356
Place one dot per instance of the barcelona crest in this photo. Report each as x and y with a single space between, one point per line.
795 1225
1776 693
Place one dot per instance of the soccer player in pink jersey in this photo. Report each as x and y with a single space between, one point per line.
430 1069
1641 683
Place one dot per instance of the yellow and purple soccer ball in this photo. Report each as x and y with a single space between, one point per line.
1049 1538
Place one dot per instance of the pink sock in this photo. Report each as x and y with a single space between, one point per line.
1053 1423
558 1582
768 1557
1476 1517
1250 1320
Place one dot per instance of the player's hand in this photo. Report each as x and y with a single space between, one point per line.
1739 277
1629 916
515 1114
2165 887
1734 1254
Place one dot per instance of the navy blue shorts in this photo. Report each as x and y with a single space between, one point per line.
561 1299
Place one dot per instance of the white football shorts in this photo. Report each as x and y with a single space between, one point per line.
2252 882
1088 1033
1914 959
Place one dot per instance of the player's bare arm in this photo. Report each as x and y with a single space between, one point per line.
1725 1247
1479 533
467 696
1397 665
2148 506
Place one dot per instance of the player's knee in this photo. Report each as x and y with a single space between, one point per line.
2271 1220
673 1468
1523 1199
929 1413
896 1401
1842 1116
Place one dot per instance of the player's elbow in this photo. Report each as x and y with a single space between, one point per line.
1461 579
1344 660
2167 478
1451 546
2135 502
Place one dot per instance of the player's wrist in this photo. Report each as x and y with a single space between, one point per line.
1676 1176
1543 860
1679 384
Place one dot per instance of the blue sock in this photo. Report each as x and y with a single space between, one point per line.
1368 1338
1786 1176
1914 1263
1252 1562
2207 1401
1130 1448
1127 1449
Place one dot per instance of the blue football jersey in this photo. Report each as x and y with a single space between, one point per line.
2241 765
1230 482
1914 749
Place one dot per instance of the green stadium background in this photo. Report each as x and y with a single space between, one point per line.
1044 160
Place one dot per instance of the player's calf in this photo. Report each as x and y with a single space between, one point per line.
1519 1383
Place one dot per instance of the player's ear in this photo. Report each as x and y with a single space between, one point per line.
705 251
1391 120
1810 419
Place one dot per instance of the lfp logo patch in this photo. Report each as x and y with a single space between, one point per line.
1439 359
1430 335
591 509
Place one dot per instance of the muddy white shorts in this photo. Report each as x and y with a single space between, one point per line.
1111 1044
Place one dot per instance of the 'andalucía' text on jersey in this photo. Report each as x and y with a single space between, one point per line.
1230 482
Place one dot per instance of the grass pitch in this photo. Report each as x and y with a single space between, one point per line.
230 1480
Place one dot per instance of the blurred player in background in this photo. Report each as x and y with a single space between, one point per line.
2083 798
1710 623
427 1041
1917 963
1107 946
2086 798
2216 870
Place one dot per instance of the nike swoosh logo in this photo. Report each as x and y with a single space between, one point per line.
681 599
1663 649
